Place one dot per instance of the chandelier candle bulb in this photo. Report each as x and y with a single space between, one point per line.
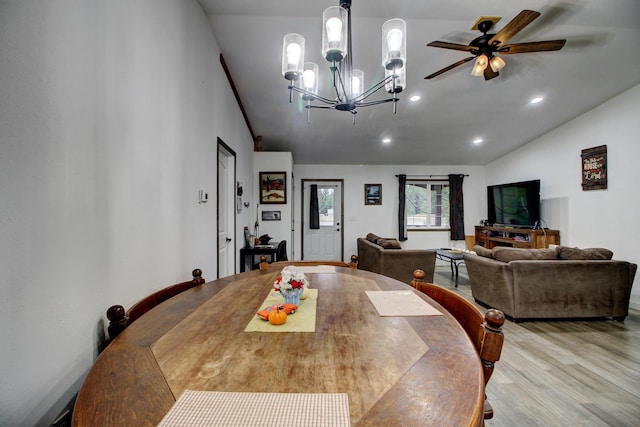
292 56
394 48
334 33
310 80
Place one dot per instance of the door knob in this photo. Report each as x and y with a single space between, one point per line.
228 240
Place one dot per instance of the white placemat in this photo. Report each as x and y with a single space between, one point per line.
400 303
231 409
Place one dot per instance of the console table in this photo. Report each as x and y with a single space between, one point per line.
490 237
268 250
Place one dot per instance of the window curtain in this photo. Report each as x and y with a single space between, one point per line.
402 219
456 207
314 212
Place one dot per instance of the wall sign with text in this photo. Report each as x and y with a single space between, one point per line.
594 168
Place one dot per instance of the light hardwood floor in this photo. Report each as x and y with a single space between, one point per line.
563 373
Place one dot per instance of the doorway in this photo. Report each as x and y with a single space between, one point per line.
226 218
326 241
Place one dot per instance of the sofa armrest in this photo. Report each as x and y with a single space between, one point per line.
491 282
368 255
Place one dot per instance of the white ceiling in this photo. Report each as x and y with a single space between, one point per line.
600 60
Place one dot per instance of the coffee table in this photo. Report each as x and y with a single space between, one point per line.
454 257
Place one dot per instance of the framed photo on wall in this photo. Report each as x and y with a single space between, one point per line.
373 194
273 187
594 168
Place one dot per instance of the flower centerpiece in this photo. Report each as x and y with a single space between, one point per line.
291 283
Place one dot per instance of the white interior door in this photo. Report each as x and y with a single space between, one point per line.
324 243
226 210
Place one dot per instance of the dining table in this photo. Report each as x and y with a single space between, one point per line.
377 349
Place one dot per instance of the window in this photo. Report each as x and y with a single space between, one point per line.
326 202
427 205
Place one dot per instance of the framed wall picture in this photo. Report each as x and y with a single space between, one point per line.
373 194
271 215
273 187
594 168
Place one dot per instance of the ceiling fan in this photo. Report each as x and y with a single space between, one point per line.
485 47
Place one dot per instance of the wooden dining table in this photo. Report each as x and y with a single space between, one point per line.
404 370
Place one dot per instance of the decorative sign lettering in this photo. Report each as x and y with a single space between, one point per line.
594 168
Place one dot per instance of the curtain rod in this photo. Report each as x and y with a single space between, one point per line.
433 176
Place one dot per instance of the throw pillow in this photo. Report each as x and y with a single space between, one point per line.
389 243
508 254
482 251
567 253
372 237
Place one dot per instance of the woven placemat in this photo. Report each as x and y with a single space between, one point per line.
233 409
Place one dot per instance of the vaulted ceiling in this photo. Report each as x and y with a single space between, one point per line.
600 60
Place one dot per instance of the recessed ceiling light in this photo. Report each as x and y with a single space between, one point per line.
478 141
536 100
386 140
414 98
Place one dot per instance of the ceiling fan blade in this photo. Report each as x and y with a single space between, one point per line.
450 67
454 46
489 73
543 46
523 19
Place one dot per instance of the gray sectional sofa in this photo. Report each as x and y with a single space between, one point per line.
555 283
385 256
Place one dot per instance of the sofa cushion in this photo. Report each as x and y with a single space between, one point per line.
565 252
389 243
372 238
482 251
508 254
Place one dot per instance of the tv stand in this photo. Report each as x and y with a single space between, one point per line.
490 237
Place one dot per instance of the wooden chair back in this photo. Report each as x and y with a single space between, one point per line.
119 319
484 330
280 264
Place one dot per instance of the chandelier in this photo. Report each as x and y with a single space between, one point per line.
348 83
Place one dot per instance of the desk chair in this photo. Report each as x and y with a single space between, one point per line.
119 319
485 331
281 251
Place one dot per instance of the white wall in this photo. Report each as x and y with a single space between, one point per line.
279 230
600 218
360 219
109 115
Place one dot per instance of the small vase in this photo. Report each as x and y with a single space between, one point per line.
292 296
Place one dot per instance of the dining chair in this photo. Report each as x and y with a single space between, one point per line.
484 330
119 319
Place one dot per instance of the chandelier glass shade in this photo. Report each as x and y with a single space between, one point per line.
348 83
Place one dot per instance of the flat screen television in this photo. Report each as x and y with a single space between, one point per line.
516 204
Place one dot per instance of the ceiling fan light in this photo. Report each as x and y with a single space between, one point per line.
292 56
497 63
479 66
335 30
394 45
